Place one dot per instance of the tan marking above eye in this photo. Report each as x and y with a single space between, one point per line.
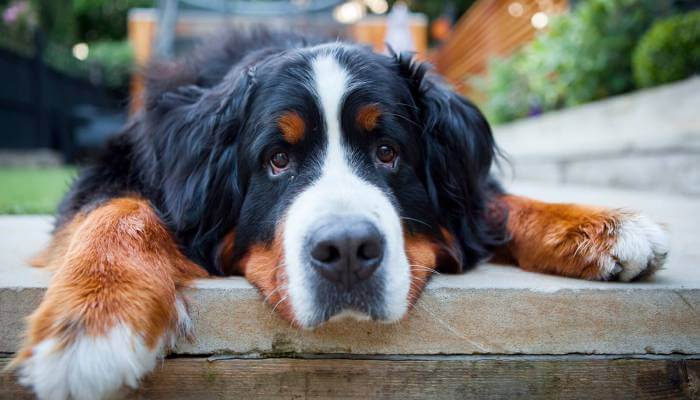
368 116
292 127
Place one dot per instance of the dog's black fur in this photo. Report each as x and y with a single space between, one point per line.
197 148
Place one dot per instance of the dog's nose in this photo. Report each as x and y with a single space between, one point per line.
346 250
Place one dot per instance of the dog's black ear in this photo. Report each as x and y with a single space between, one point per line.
189 143
458 150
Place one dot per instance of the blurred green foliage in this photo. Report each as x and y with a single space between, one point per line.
113 61
63 23
109 62
60 57
584 55
104 19
669 51
19 21
435 8
72 21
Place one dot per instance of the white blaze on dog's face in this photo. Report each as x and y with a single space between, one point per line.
340 206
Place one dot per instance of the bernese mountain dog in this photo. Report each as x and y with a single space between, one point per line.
334 179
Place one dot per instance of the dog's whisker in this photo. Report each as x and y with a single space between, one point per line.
419 267
279 302
418 289
422 269
275 290
281 265
419 279
426 270
416 220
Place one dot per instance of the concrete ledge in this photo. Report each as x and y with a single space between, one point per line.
491 310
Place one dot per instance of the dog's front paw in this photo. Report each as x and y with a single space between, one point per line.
94 356
639 248
87 366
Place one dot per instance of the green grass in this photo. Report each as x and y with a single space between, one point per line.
25 190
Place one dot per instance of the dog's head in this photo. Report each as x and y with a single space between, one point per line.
335 179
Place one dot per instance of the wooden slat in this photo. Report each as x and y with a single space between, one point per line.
441 377
141 30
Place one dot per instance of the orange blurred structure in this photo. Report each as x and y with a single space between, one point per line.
491 28
143 23
372 30
141 31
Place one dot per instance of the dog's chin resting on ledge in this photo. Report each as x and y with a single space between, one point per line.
335 179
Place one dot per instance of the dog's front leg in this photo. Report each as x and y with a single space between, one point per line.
580 241
112 307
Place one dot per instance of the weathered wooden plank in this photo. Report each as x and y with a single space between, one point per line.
440 377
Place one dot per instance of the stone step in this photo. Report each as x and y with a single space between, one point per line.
492 310
645 140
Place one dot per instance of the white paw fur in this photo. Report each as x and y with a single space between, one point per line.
640 248
97 367
89 367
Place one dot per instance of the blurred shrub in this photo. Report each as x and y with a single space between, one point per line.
98 20
72 21
111 63
19 20
60 57
584 55
507 88
57 25
669 51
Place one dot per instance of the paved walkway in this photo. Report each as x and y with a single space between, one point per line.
644 140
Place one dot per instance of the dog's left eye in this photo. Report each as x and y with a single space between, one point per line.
386 154
279 162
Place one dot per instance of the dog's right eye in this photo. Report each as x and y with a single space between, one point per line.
279 162
386 155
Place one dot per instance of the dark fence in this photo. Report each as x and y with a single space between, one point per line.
41 107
